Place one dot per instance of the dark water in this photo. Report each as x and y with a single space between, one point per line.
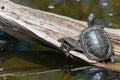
21 60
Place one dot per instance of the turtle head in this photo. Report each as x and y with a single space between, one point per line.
90 19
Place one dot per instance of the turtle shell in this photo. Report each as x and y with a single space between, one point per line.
96 43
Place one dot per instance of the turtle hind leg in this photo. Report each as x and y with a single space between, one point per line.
113 60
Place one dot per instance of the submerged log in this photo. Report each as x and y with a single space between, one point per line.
46 28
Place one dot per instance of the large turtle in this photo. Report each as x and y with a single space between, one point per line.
95 42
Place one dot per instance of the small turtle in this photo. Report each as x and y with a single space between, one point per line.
95 42
69 43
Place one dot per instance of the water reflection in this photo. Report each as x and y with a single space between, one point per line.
22 64
48 65
95 74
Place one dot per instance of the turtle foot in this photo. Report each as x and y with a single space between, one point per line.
66 48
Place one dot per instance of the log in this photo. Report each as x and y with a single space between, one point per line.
46 28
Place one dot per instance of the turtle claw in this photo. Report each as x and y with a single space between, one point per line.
64 47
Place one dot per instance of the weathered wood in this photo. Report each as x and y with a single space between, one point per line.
46 28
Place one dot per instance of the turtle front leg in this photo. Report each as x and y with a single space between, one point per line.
66 48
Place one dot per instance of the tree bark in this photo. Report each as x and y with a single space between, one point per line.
46 28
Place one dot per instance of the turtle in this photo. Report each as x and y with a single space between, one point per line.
95 42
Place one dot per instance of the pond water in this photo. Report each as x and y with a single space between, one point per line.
28 61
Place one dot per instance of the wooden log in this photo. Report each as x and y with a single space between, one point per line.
46 28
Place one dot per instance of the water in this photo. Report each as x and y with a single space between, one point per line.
106 11
21 60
